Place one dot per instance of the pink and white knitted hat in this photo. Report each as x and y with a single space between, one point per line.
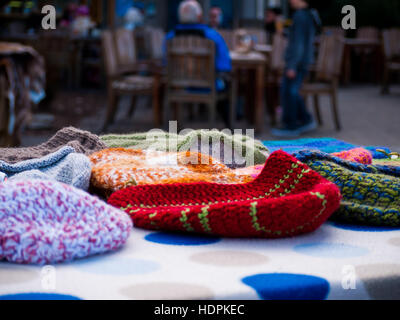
45 222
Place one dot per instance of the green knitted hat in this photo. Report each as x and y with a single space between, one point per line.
371 193
233 150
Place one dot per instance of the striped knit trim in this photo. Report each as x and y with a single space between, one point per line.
267 194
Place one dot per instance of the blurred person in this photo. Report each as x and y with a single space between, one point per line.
133 18
190 16
298 57
216 17
274 22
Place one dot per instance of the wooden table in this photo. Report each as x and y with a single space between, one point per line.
253 61
263 48
352 44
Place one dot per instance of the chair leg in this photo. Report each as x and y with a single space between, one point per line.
212 113
386 78
133 106
335 110
317 110
232 104
113 100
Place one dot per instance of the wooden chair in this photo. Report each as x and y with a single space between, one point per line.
369 58
156 37
122 78
334 31
274 74
327 72
229 37
191 64
57 50
391 49
5 138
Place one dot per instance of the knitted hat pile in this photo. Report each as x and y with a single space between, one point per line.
114 169
45 222
371 193
286 199
64 166
233 150
81 141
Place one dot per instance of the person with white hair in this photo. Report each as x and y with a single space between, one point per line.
191 23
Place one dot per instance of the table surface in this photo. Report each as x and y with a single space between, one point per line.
252 57
156 265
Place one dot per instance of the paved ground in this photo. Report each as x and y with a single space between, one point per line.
368 118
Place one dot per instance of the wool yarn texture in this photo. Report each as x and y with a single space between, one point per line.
81 141
371 193
64 166
359 155
47 222
286 199
232 150
116 168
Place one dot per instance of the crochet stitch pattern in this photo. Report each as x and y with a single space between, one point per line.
210 142
371 193
46 222
286 199
114 169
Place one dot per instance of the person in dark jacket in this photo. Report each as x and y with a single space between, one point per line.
298 58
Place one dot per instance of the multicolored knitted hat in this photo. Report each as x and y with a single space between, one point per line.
46 222
286 199
371 193
359 155
114 169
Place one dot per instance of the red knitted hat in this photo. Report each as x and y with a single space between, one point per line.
286 199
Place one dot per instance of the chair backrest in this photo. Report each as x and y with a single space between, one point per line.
156 36
125 47
391 43
330 58
229 37
334 31
191 62
277 61
368 33
109 54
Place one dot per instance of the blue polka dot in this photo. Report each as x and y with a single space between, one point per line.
178 239
38 296
362 228
283 286
116 266
330 250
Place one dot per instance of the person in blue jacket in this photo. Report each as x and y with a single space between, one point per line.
190 18
298 57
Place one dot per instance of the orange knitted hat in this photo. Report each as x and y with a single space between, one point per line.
116 168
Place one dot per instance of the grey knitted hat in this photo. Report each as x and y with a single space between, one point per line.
64 166
82 142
